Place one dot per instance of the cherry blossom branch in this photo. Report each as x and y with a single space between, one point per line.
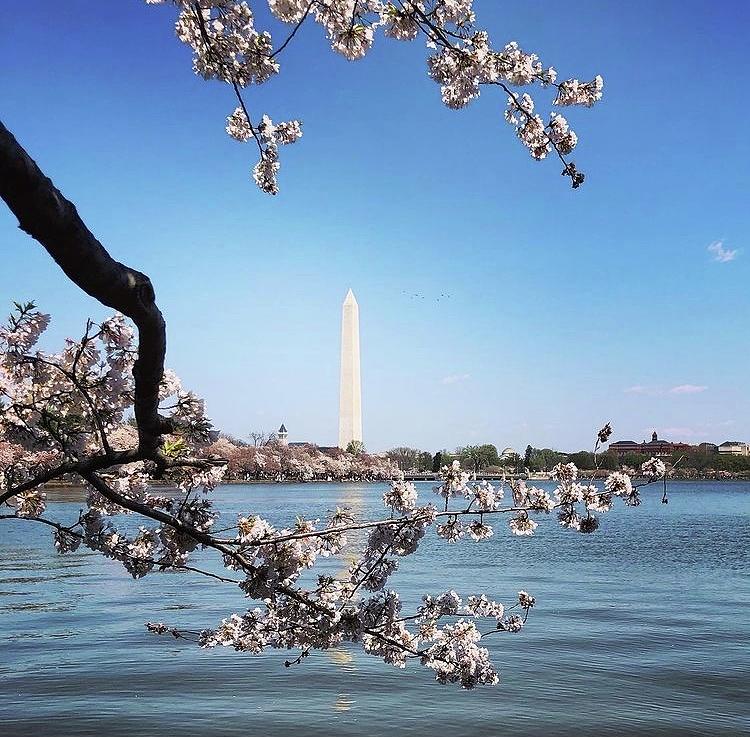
73 378
81 468
399 521
569 168
44 521
48 217
228 46
69 530
232 80
294 31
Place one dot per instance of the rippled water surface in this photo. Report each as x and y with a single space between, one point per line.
642 628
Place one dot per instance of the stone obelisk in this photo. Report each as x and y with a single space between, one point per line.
350 396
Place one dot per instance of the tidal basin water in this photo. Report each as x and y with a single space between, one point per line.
642 628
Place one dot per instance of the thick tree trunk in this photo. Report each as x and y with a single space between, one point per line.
48 217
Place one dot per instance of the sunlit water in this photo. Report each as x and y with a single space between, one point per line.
642 628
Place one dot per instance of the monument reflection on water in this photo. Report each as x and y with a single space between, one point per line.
353 499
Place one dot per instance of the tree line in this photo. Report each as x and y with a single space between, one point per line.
487 458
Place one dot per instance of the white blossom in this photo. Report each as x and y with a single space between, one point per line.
456 657
238 126
619 484
288 11
573 92
525 600
479 531
400 23
653 469
522 525
402 496
512 624
265 171
481 606
452 531
484 496
66 542
30 503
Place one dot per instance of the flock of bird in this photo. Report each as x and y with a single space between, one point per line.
422 296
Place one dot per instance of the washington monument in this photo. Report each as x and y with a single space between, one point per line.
350 396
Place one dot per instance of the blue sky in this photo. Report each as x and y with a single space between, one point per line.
567 308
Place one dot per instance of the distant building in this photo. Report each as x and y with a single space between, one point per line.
707 448
735 448
623 447
282 434
655 448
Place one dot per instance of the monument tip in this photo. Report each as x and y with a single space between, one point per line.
350 297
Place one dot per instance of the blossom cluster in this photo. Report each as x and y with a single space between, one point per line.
69 405
227 45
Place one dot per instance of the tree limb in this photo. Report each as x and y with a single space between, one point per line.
47 216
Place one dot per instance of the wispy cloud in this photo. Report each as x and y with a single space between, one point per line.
688 389
645 390
656 391
639 389
721 254
455 378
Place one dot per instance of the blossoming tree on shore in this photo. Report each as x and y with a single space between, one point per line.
62 414
279 462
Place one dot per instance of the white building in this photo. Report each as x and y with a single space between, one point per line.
734 448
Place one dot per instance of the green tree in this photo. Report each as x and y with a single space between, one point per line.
609 462
512 461
356 448
425 461
478 457
527 456
404 457
544 459
633 460
437 462
583 459
488 455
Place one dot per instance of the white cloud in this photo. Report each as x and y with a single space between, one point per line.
638 389
644 391
657 391
455 378
687 389
721 254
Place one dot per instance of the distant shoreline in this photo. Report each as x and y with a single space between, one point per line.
583 475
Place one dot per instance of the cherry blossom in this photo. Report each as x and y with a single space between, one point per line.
654 469
228 45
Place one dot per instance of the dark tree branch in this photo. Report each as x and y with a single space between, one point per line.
94 463
45 214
